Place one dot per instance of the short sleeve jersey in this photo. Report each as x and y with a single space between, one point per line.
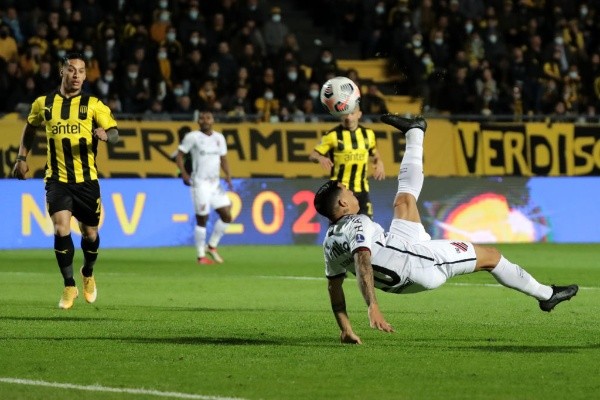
206 151
349 151
69 125
345 237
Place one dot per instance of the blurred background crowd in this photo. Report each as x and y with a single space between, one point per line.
245 60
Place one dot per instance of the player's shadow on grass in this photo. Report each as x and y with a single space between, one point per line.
202 340
234 341
56 319
532 349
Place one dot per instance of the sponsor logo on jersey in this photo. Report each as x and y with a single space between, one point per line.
338 249
68 129
460 246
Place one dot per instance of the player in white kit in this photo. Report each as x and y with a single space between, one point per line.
405 259
208 150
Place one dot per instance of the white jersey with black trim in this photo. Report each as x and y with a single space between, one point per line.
346 236
206 151
402 262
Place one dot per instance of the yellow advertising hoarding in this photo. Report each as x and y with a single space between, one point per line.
265 150
282 149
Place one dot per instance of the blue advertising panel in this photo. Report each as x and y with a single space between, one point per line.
159 212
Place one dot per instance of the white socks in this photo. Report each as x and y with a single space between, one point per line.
410 177
217 233
515 277
200 238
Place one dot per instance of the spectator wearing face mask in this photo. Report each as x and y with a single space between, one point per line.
92 66
374 37
106 86
173 47
439 49
108 51
134 90
196 40
160 24
164 66
274 32
173 95
267 106
493 40
324 66
313 95
293 81
191 21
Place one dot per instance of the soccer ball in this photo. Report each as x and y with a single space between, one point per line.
340 96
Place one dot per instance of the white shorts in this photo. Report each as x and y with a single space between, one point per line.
419 262
208 195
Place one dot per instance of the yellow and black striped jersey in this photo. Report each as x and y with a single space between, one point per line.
349 151
69 124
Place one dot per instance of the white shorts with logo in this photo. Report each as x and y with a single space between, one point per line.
421 263
207 195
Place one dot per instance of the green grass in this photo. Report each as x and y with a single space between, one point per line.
247 329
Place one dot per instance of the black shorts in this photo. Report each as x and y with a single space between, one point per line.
82 199
364 201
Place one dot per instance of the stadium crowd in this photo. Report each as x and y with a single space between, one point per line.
239 58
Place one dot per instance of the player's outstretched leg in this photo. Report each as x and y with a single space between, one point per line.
559 294
410 176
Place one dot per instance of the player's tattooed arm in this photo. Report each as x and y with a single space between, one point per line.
366 283
338 306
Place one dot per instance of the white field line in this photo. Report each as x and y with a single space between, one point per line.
106 389
314 278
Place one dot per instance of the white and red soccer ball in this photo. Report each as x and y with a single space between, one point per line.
340 96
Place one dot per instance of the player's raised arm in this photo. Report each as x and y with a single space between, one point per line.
338 306
364 276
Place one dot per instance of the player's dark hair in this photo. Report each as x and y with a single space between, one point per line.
326 198
72 56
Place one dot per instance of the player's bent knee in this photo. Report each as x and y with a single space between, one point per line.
405 207
487 257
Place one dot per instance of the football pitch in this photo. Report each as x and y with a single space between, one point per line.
260 327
